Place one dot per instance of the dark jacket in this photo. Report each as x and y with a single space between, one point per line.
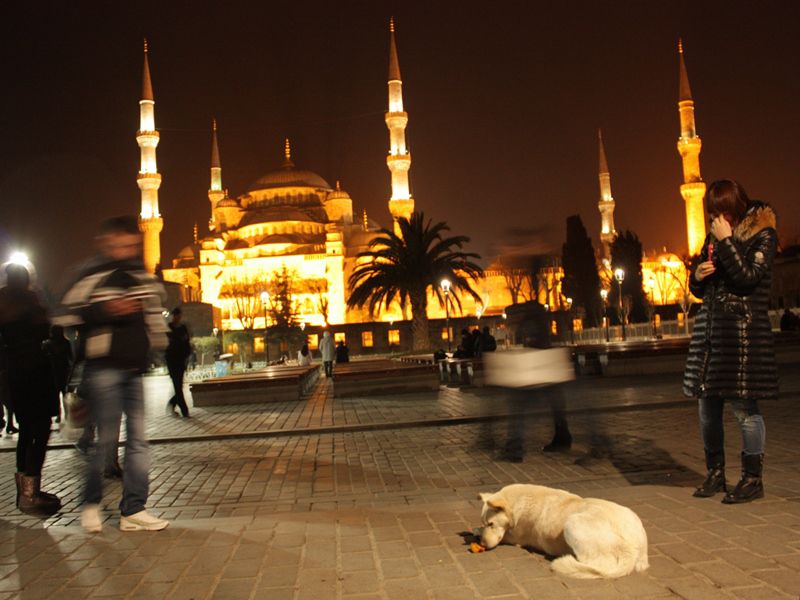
29 376
530 323
731 352
124 341
179 348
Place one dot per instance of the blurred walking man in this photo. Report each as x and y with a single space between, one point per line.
118 307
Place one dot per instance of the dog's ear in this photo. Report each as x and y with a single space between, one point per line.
493 500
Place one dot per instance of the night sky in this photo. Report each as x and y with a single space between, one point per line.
504 101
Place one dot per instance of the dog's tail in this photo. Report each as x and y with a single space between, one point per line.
626 561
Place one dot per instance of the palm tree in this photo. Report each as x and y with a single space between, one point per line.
402 268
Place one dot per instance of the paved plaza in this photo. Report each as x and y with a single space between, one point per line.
367 498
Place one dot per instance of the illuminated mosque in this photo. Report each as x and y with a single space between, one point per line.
292 220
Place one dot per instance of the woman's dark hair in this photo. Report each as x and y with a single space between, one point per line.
726 196
304 350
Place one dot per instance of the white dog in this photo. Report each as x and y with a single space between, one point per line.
592 537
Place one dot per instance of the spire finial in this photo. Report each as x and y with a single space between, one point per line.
602 152
391 26
287 153
685 91
215 161
147 84
194 233
366 221
394 63
338 186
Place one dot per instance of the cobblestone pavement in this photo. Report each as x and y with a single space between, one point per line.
377 513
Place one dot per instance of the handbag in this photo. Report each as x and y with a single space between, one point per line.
76 409
528 367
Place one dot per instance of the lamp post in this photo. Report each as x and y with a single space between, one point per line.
445 285
651 283
264 300
571 321
604 296
619 275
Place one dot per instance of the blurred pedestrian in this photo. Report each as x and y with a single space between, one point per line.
119 306
59 350
342 352
327 351
177 354
32 394
304 356
731 356
485 342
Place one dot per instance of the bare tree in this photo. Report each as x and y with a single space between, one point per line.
319 289
246 295
515 277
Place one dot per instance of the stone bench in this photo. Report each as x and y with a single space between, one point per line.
273 384
382 377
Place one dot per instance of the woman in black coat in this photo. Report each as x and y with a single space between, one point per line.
33 397
731 356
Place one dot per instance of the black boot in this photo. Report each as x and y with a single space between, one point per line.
715 478
750 486
562 438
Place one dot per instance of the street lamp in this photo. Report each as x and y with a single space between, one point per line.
445 285
604 296
264 300
571 322
619 275
651 283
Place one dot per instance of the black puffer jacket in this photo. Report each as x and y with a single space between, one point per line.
731 353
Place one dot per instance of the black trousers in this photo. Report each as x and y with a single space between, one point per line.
34 433
176 372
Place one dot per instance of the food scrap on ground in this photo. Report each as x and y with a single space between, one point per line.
475 548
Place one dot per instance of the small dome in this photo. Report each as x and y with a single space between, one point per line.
187 252
338 193
227 203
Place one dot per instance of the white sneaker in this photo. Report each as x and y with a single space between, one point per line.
91 519
142 521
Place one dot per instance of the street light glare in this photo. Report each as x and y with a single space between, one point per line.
264 296
18 258
619 274
445 285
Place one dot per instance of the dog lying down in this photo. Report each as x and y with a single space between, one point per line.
591 538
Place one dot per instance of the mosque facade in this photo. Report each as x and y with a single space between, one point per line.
292 221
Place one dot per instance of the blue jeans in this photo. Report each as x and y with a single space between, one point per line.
110 393
750 422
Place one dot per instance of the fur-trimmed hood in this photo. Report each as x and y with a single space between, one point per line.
759 216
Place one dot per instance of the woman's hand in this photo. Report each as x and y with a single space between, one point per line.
720 228
704 269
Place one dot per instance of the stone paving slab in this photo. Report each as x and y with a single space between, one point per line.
321 410
376 514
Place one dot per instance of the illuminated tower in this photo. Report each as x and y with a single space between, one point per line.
689 144
148 179
606 203
215 191
401 204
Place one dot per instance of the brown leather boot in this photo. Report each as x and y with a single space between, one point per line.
31 501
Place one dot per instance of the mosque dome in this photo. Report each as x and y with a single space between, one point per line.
289 176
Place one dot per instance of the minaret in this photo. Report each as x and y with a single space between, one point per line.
606 203
693 189
215 191
401 204
148 179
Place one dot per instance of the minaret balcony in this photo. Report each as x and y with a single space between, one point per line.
148 181
396 120
147 138
401 162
